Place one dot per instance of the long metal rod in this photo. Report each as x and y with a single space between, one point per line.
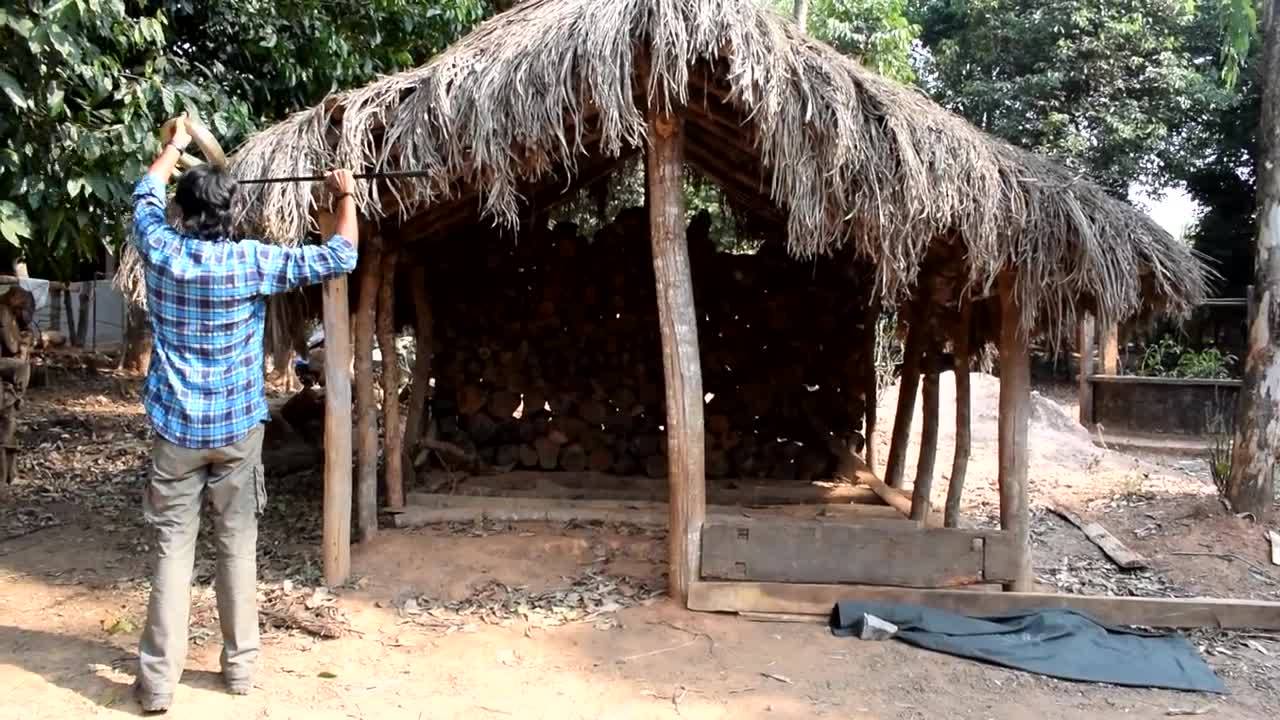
319 178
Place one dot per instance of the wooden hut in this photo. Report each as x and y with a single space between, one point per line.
876 194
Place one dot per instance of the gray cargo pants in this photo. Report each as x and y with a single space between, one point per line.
182 479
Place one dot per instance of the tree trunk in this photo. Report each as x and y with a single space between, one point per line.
55 307
422 363
366 440
85 314
393 467
960 461
922 491
682 368
872 383
1251 486
908 386
336 540
136 356
72 331
1015 416
801 13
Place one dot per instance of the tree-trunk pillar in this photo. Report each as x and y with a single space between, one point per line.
682 369
964 437
908 385
366 498
392 465
871 380
337 424
1254 462
1111 349
1015 414
136 357
922 490
85 314
421 367
1084 388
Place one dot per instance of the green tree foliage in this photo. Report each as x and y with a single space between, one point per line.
1108 86
1222 179
282 55
84 84
877 32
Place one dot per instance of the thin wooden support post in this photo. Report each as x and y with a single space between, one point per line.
421 368
393 466
1111 349
964 432
908 385
366 498
337 424
678 322
871 380
922 490
1084 389
1015 414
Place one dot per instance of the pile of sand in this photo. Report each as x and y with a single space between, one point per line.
1064 460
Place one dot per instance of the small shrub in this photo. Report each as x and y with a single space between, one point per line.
1222 436
1169 358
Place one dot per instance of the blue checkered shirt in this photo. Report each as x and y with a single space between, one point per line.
207 304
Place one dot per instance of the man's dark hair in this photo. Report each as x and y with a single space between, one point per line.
204 196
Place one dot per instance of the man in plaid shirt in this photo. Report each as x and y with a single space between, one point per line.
206 300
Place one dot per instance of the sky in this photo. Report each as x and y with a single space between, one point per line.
1174 210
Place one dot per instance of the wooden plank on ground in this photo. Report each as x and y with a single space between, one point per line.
898 554
804 599
1119 553
855 469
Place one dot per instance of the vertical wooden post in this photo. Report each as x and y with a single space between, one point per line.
678 322
871 380
366 404
1015 414
922 490
393 469
337 425
964 436
908 385
421 366
1084 391
1111 349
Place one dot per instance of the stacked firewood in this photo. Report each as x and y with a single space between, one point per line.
17 337
548 355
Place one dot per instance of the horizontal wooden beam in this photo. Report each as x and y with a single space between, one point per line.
896 553
1148 380
587 485
429 509
802 599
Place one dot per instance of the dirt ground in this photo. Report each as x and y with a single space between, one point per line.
485 621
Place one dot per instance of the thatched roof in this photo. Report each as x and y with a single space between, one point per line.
848 158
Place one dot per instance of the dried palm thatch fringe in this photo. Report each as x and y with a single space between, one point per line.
855 158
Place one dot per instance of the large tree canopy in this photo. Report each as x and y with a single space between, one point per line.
1109 86
877 32
85 83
